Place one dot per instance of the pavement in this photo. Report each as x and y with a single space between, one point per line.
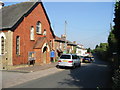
20 75
32 68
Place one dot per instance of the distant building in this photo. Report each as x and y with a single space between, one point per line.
59 46
80 51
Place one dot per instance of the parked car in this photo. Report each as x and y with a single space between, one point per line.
92 59
69 60
87 59
81 58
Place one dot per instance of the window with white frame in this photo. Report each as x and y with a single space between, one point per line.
2 45
17 45
38 28
44 33
51 43
60 45
32 33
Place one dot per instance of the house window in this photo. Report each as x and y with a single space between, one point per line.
60 45
2 45
17 45
44 33
50 43
39 28
32 33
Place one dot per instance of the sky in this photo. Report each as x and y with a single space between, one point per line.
88 23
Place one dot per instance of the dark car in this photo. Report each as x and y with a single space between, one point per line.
87 59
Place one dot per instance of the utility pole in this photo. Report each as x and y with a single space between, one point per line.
65 37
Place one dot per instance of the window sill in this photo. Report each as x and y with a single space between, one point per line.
2 54
39 33
32 40
18 55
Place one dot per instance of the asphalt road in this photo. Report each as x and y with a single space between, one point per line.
89 75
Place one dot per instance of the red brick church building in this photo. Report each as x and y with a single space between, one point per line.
25 34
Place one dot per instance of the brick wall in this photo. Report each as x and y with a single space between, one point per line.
23 30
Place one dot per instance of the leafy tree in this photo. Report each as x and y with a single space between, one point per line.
101 50
117 25
112 42
88 50
96 46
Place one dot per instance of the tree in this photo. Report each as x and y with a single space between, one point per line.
88 50
96 46
112 42
101 50
117 25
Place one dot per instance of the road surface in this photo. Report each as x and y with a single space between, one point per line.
89 75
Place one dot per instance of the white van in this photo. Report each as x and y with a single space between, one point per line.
69 60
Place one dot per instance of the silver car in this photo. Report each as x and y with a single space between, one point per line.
69 60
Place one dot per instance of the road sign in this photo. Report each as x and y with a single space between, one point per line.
52 54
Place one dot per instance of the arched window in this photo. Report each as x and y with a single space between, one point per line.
51 43
32 33
44 33
18 45
2 45
38 28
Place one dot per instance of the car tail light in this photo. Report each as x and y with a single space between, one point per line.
59 61
70 61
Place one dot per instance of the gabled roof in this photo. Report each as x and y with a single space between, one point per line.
63 40
59 39
14 14
71 43
39 43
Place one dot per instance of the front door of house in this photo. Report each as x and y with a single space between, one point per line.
44 55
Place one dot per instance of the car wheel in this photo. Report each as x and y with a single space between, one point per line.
80 65
73 66
57 66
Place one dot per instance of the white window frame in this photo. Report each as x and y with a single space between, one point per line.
18 46
2 35
60 45
44 33
2 47
51 43
32 33
39 28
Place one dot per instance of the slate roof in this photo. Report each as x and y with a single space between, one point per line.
59 39
71 43
12 14
63 40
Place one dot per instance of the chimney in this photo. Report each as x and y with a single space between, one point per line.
63 36
74 42
1 4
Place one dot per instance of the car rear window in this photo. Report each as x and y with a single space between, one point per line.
65 57
74 57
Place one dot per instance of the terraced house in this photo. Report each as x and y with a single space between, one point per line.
25 34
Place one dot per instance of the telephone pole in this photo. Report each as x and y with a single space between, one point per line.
65 37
